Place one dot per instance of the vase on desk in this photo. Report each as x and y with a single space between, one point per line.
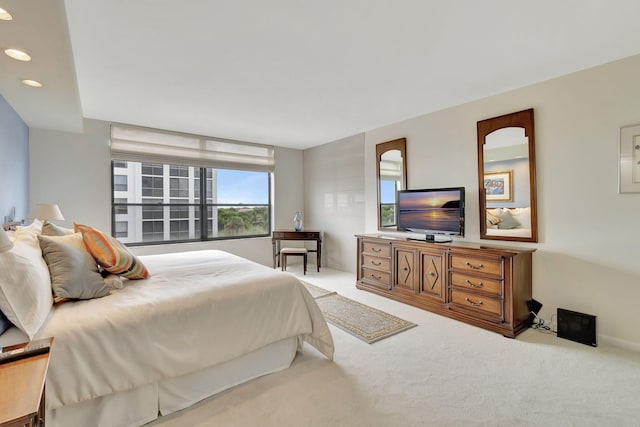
297 221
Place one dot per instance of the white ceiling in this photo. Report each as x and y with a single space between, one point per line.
295 73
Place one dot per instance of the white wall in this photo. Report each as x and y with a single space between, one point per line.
588 251
289 194
74 171
334 198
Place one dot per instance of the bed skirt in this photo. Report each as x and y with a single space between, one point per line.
143 404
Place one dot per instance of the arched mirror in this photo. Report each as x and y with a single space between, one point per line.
391 171
506 178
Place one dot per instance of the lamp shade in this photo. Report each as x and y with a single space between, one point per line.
5 242
46 212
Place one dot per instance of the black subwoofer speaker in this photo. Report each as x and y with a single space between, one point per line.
577 327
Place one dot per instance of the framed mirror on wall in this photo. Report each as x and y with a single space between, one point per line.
506 178
391 173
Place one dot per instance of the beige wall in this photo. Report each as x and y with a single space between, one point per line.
74 170
588 251
334 198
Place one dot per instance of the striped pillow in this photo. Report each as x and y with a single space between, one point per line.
110 254
493 219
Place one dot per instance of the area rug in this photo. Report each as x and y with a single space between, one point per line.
316 291
364 322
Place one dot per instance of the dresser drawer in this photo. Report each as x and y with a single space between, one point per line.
379 277
377 249
492 266
492 286
383 264
481 305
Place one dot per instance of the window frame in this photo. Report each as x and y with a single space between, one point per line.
203 206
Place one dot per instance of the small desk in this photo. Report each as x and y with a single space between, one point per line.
279 235
22 389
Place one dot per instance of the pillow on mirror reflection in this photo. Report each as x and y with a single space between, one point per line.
507 221
522 215
492 219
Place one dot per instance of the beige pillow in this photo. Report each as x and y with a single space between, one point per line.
49 229
507 221
74 273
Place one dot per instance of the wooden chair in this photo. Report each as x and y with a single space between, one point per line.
285 252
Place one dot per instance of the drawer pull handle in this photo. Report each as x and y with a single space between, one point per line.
474 285
376 263
376 249
473 303
432 274
475 267
376 277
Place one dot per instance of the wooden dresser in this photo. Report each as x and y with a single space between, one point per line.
486 286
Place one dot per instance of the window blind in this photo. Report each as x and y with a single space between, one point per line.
141 144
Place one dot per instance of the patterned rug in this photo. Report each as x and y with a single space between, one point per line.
315 291
364 322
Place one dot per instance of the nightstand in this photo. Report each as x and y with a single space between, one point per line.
22 387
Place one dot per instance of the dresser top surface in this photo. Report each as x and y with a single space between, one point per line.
456 244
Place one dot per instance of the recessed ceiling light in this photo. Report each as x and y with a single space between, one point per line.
5 16
17 54
32 83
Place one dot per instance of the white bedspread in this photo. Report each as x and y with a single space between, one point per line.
197 309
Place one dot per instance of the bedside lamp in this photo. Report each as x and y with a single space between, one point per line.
5 242
47 212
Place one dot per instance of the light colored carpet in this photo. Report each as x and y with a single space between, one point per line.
443 373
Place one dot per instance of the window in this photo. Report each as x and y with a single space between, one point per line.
388 188
176 187
237 204
122 229
120 209
120 182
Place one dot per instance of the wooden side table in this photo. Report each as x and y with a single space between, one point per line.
22 389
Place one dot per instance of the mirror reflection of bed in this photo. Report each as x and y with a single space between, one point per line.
509 222
506 169
506 177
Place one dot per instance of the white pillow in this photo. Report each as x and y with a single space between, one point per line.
25 286
32 229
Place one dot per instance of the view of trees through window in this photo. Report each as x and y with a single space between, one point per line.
388 190
161 203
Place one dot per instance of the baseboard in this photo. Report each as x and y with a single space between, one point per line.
617 342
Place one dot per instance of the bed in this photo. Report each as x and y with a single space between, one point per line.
513 222
202 322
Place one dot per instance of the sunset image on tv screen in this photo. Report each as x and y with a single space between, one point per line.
437 210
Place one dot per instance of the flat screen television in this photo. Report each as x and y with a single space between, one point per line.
435 211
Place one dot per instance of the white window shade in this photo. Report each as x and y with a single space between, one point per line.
141 144
391 170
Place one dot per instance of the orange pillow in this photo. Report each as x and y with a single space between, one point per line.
110 254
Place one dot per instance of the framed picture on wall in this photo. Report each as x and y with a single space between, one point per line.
498 186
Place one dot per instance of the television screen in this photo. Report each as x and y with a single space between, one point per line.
433 211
